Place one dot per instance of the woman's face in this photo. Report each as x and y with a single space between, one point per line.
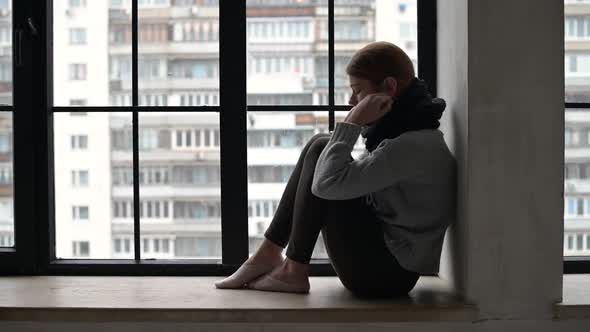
360 89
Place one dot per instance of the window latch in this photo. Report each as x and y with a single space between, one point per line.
32 27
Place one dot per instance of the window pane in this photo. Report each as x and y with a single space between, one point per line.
577 195
358 23
92 53
577 52
180 187
178 53
6 182
284 52
275 141
6 53
93 211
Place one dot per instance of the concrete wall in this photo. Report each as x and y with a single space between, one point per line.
453 87
501 70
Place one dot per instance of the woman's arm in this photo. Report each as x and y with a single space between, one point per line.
336 177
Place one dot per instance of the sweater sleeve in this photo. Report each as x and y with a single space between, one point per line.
336 177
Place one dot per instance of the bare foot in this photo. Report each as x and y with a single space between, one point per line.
289 277
266 258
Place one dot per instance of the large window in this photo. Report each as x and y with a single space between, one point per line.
171 135
576 218
7 227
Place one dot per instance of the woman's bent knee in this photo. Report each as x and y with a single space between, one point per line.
318 135
318 145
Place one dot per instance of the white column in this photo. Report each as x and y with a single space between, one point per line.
500 68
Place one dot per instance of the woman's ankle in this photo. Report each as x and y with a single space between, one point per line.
293 267
267 253
269 249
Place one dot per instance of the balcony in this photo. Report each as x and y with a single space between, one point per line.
576 7
204 154
169 226
167 84
184 192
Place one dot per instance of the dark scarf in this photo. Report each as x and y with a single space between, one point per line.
415 109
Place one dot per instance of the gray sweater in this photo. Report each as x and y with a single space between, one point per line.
410 181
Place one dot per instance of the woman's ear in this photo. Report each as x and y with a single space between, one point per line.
389 86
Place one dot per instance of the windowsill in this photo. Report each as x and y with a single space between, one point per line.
101 299
576 297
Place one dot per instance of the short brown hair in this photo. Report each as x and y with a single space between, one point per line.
379 60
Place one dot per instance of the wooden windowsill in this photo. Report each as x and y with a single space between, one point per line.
195 299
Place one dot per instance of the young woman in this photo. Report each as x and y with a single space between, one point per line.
383 216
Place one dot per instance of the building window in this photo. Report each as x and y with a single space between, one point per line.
5 142
81 249
80 178
191 31
165 245
204 175
80 212
121 139
570 206
78 102
572 171
79 142
117 246
153 33
197 210
77 3
148 139
269 174
6 35
194 69
6 174
77 36
77 72
577 27
192 247
6 240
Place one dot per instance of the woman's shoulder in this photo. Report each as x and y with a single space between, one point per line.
424 137
426 143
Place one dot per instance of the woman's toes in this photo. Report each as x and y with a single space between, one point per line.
247 272
270 284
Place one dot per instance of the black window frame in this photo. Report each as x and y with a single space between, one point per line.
34 252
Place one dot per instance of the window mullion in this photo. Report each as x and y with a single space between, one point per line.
232 122
135 103
331 102
427 43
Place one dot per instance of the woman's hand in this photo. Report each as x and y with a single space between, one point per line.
370 109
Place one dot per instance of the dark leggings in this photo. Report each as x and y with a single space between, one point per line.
352 234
